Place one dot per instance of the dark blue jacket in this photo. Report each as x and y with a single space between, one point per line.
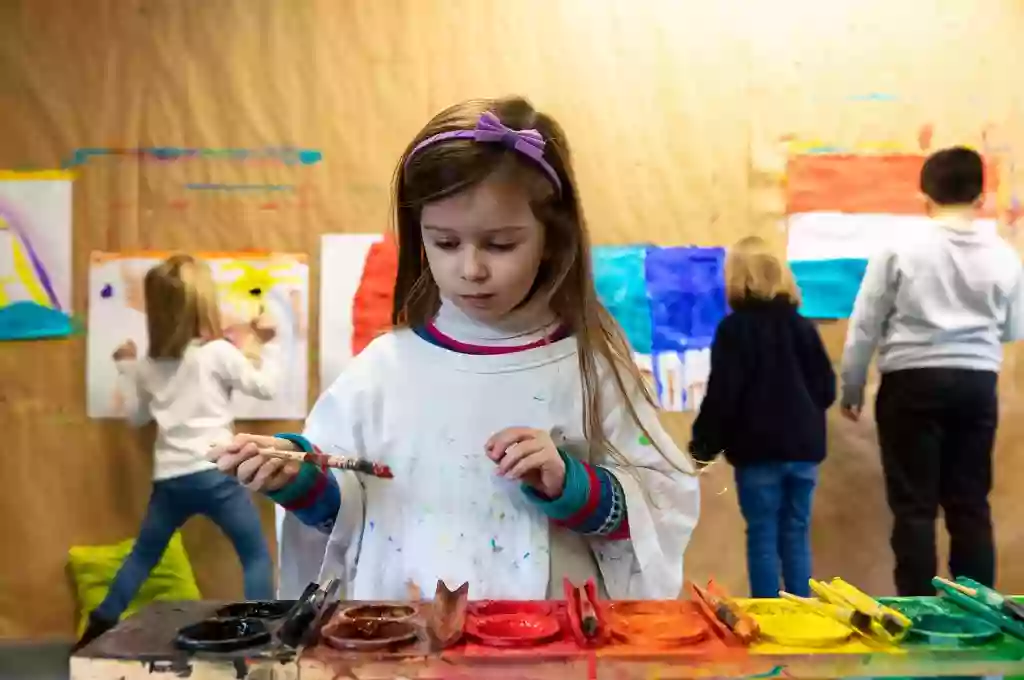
771 383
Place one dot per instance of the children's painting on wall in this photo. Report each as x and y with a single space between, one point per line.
357 278
249 285
35 255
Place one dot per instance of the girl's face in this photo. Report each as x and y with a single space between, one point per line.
484 247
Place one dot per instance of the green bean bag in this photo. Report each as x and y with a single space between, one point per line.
93 568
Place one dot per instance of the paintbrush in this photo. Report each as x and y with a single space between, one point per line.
588 615
741 625
858 621
324 460
891 624
990 597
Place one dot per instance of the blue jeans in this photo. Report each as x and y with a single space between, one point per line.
775 499
173 501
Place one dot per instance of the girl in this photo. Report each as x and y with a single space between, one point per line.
185 385
524 445
771 383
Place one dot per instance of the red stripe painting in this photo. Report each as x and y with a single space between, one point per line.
371 307
861 184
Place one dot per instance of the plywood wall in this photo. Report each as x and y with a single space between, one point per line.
675 111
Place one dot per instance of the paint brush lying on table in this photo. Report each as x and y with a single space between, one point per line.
360 465
888 624
990 597
743 626
858 621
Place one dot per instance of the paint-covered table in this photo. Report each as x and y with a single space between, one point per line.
143 646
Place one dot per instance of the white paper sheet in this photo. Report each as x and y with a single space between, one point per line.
116 314
342 259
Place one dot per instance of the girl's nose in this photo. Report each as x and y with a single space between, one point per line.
473 266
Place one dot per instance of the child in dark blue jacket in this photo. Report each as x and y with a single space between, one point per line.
771 383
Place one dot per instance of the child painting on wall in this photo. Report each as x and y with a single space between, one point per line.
770 385
525 445
185 385
938 309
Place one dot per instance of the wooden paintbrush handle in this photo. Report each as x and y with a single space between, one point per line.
588 614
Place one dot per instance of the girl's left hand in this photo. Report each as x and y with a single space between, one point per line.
530 456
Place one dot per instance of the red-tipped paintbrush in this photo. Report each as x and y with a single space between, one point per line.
360 465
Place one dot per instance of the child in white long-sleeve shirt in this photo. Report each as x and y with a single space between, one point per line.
524 443
185 385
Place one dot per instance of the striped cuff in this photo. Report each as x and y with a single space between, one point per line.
592 502
314 495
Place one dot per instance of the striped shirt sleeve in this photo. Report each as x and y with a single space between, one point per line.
592 502
314 496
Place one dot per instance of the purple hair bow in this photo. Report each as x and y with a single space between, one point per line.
489 129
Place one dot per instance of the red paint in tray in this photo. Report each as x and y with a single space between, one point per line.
512 629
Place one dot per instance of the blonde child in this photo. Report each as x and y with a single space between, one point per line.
185 385
771 383
525 446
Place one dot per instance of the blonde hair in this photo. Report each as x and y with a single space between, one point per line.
754 272
565 278
181 305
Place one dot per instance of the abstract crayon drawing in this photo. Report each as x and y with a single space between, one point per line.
35 255
250 285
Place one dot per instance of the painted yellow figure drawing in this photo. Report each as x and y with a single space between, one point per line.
243 299
23 282
253 288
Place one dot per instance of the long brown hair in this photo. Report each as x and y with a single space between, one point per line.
754 272
181 305
451 166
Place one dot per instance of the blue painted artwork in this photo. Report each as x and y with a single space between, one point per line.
622 288
686 287
828 287
27 320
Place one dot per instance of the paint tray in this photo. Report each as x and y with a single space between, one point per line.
789 627
500 629
915 607
346 639
688 631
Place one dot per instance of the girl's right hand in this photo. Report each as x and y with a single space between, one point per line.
242 459
264 329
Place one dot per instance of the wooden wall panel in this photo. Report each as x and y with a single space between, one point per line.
675 111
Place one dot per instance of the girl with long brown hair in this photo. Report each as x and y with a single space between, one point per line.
525 446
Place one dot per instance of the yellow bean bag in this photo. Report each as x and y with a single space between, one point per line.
93 568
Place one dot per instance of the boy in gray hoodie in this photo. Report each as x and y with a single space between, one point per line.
938 308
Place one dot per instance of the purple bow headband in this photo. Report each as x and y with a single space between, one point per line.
489 129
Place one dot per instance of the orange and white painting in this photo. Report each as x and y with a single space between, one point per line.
249 285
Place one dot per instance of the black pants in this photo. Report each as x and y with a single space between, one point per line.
936 428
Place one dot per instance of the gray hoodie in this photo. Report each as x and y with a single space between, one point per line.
948 298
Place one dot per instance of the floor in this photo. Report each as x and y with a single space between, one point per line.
34 661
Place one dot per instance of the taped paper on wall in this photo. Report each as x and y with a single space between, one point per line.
249 285
35 255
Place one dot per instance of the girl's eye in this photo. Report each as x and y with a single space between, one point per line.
447 245
503 247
